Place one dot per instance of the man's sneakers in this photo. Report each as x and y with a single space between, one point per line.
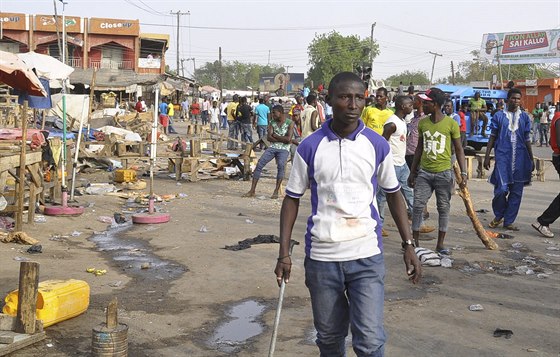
544 230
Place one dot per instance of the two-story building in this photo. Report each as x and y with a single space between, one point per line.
91 42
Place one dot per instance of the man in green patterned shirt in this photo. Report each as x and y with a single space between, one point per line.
279 134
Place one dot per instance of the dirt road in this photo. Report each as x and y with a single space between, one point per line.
198 299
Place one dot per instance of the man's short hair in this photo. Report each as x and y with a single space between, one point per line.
401 99
278 108
343 77
382 89
512 92
311 98
261 100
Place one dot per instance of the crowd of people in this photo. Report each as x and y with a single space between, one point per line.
427 132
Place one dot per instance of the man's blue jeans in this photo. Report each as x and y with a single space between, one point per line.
402 176
262 131
346 294
281 157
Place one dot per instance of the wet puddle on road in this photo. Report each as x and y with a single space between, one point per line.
241 324
135 256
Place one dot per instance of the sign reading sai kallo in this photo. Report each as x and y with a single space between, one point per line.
522 47
116 27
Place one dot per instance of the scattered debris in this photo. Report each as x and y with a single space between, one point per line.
76 234
35 249
517 245
17 237
203 229
96 272
146 266
503 333
260 239
446 262
249 221
524 269
476 307
428 257
40 219
116 284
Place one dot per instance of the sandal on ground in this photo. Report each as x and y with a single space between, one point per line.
443 251
495 223
384 233
511 227
543 230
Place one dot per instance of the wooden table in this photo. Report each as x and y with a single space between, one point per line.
9 162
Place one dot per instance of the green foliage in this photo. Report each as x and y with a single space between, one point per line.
479 69
235 74
332 53
416 77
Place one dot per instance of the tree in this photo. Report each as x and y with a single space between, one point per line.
332 53
416 77
235 74
479 69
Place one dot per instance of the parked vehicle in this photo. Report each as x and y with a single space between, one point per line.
492 96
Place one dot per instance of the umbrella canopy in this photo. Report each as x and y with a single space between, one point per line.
17 74
46 66
209 89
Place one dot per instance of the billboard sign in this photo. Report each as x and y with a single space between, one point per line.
114 27
13 21
287 83
48 23
522 47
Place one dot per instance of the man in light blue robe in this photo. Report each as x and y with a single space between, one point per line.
510 138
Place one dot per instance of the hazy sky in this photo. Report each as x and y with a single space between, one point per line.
247 30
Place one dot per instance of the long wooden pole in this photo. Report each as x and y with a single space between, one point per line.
21 176
466 196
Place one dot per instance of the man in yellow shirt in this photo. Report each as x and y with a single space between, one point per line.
233 125
374 117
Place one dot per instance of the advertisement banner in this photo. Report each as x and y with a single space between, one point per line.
522 47
281 83
47 23
13 21
114 27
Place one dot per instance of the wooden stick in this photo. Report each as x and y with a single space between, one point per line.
112 320
27 297
466 196
21 184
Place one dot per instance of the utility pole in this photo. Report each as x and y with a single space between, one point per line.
286 79
434 64
268 64
178 13
452 74
57 31
183 67
194 64
371 55
220 83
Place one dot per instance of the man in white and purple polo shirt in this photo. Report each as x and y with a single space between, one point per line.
343 163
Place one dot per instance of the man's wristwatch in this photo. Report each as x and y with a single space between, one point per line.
406 243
